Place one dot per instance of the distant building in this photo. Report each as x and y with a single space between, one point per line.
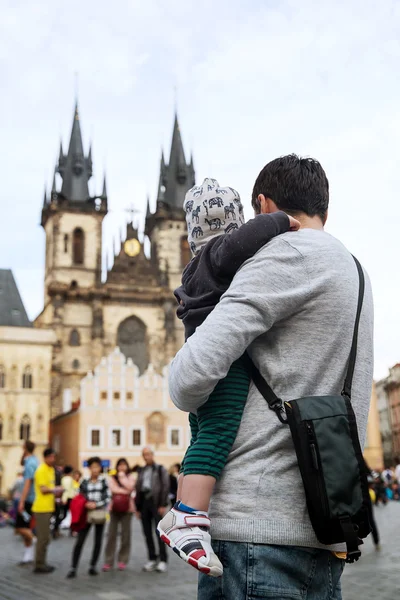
392 387
385 421
373 452
120 412
25 367
134 308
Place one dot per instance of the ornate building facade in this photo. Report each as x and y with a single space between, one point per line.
134 308
119 412
25 367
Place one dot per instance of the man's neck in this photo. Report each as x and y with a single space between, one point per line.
307 222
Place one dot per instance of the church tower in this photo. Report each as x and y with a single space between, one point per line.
166 228
72 221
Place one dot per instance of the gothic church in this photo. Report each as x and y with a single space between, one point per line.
134 307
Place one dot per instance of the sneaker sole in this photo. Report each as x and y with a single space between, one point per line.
211 571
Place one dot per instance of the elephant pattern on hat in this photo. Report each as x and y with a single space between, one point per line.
197 232
209 208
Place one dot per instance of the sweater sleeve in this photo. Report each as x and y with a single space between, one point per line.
272 285
105 495
235 248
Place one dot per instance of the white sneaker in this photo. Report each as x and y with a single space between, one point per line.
29 554
150 566
162 567
187 534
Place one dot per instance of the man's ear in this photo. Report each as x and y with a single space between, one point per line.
262 203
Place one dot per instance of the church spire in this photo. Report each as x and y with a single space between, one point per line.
104 192
76 170
148 211
178 176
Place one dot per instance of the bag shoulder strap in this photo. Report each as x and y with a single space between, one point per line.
275 403
353 352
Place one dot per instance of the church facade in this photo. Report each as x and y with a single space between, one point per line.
134 307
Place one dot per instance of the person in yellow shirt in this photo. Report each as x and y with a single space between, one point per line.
43 508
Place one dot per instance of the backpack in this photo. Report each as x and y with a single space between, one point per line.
325 438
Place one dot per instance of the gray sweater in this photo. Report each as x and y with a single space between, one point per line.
293 305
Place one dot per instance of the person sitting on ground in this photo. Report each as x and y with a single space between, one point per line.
221 243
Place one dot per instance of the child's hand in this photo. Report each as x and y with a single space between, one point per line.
294 224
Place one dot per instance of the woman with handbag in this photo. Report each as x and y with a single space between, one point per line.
96 491
121 487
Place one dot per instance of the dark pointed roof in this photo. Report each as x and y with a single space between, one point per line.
178 176
75 169
104 192
12 310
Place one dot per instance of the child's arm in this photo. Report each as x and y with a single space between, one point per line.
243 243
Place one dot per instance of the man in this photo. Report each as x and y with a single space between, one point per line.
43 508
24 513
293 305
152 489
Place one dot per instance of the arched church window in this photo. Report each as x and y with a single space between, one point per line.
1 427
27 382
66 242
2 377
132 341
75 364
78 246
25 428
74 338
186 254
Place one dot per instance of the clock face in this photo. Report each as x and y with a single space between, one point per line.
132 247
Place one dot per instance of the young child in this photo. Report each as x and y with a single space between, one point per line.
211 212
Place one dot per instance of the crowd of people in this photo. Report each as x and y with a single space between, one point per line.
385 485
47 499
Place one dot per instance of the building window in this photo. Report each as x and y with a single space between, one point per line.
1 428
78 246
129 395
95 438
76 364
103 395
74 338
175 437
2 377
27 382
186 254
132 341
25 428
66 243
136 438
116 437
56 443
116 395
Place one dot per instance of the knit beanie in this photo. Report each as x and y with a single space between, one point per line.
211 211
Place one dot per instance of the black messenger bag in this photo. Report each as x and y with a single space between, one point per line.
325 437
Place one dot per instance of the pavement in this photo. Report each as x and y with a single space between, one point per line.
375 576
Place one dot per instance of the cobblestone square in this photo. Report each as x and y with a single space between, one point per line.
377 575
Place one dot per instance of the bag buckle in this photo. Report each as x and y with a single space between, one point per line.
353 556
277 407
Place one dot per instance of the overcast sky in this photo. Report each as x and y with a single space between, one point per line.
254 80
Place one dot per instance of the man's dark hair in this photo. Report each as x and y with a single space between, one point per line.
48 452
296 185
30 446
67 470
93 460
